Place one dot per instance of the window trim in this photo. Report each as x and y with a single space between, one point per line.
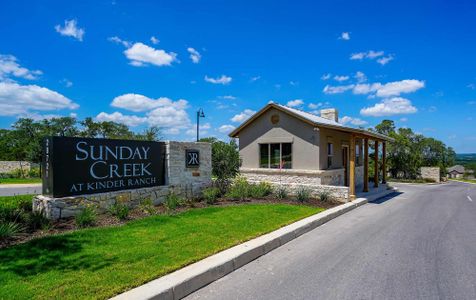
269 154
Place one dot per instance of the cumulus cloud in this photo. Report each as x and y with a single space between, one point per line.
385 60
354 121
326 76
337 89
390 107
395 88
255 78
228 97
371 55
341 78
168 116
219 80
195 56
203 129
345 36
314 105
360 77
246 114
142 55
9 66
16 99
295 103
118 40
71 29
226 129
138 103
129 120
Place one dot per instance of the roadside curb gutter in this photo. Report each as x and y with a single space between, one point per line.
185 281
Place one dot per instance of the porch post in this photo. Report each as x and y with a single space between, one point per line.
376 164
384 165
352 169
366 165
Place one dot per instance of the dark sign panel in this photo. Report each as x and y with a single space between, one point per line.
77 166
192 158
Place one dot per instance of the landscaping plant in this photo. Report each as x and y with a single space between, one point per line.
211 195
10 230
324 196
87 217
281 192
173 201
37 220
147 206
303 194
239 190
260 190
119 210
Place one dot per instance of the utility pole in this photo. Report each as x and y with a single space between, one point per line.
200 114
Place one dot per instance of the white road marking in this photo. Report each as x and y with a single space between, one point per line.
469 198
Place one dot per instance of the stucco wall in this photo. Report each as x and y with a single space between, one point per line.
305 141
187 182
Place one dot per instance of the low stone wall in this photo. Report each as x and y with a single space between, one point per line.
294 179
432 173
10 166
183 181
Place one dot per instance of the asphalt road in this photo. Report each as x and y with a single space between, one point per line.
420 244
19 189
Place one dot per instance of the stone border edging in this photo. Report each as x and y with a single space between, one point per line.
185 281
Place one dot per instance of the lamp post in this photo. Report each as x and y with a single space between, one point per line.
200 114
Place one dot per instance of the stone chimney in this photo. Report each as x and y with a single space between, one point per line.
330 113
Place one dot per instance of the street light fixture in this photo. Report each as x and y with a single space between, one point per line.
200 114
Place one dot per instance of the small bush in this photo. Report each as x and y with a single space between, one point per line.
324 196
147 206
18 173
211 194
119 210
260 190
172 201
87 217
303 194
37 220
281 192
10 230
239 190
34 172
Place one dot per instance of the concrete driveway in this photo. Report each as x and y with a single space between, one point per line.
20 189
420 244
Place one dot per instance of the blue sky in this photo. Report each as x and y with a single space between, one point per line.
156 62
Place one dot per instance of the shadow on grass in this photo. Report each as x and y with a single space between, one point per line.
50 253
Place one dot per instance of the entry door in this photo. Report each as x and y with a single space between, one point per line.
345 163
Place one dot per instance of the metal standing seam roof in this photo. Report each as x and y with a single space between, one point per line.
311 118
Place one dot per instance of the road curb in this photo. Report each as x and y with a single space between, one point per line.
185 281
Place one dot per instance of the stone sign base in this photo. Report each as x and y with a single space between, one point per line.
183 181
431 173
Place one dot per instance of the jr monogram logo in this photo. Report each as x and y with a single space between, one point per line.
192 158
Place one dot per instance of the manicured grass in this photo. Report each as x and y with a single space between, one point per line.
19 180
14 201
423 181
102 262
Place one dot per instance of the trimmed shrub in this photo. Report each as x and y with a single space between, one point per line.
211 194
239 190
147 206
87 217
281 192
10 230
119 210
34 172
303 194
324 195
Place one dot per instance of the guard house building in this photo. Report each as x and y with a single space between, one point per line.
284 145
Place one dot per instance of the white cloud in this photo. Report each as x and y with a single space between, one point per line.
154 40
71 29
345 36
399 87
67 83
295 103
142 55
226 129
243 116
294 83
172 131
219 80
326 76
253 79
390 107
129 120
195 56
203 129
314 105
16 99
9 66
117 40
168 116
354 121
228 97
360 77
337 89
385 60
137 102
341 78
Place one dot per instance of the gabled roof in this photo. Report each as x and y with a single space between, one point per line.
311 119
457 168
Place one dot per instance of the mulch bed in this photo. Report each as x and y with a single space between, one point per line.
106 219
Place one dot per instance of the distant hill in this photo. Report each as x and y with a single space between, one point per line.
466 159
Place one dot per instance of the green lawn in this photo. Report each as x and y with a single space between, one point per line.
464 180
14 201
19 180
102 262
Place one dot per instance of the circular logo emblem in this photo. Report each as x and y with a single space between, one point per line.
275 119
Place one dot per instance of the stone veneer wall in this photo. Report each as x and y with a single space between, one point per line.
187 182
432 173
10 166
316 180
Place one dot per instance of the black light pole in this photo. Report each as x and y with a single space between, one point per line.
200 114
